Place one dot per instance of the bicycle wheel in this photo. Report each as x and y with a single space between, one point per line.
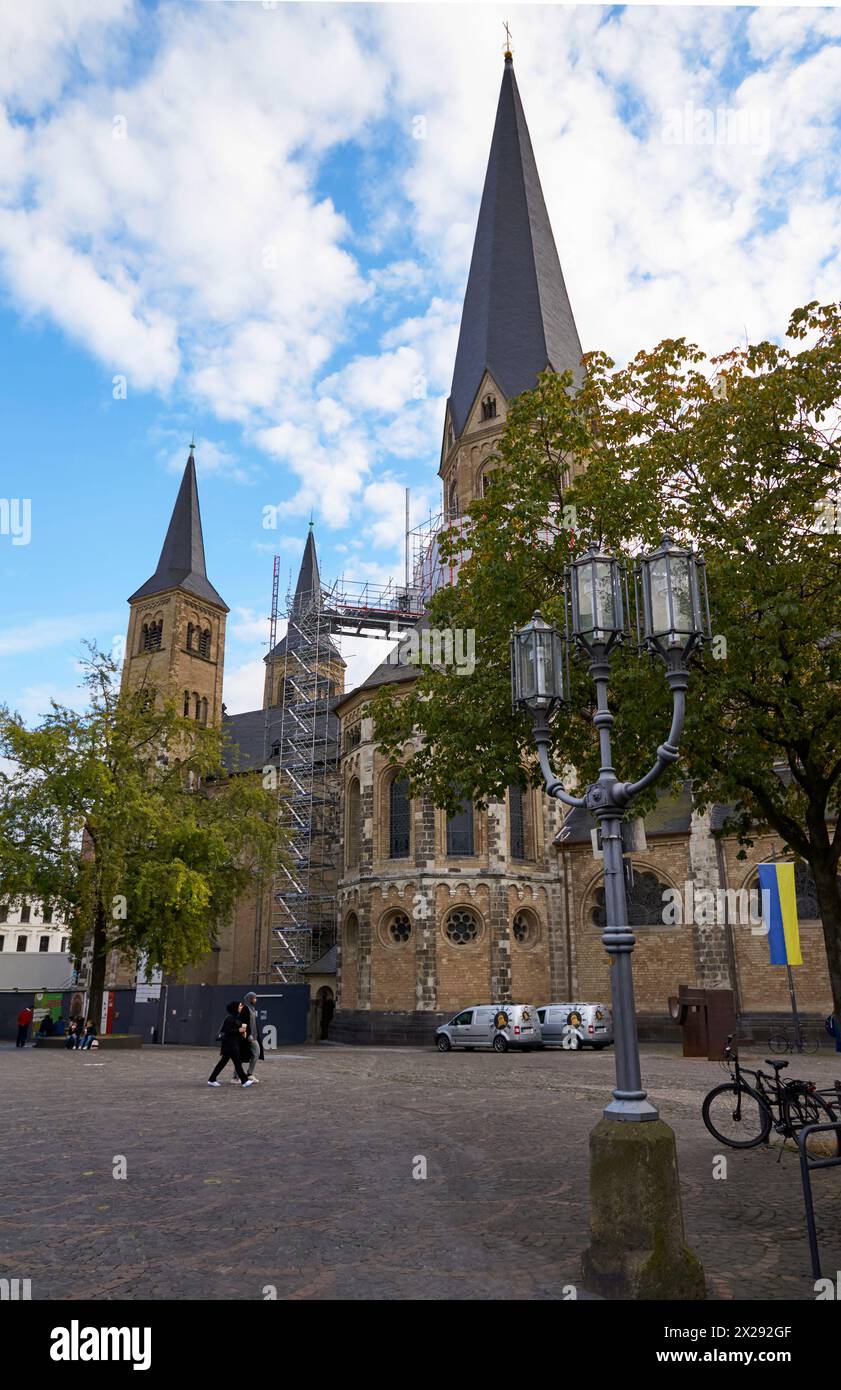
801 1108
808 1042
778 1042
737 1116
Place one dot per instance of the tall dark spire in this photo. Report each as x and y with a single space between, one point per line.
516 318
307 597
308 588
181 565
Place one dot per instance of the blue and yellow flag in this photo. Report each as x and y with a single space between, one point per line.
779 913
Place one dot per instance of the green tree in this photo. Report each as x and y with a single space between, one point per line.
124 818
738 455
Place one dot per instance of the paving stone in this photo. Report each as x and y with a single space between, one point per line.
305 1182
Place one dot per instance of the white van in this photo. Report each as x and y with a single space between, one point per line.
573 1026
500 1026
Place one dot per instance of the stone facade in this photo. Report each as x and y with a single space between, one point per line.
420 934
189 661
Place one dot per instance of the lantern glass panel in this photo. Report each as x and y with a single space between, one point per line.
525 658
595 591
658 581
682 606
545 663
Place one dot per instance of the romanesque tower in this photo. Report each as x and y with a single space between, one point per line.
436 912
516 319
176 630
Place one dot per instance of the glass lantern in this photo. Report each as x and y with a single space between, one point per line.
675 608
595 582
537 667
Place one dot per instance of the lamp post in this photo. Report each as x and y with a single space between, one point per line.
672 623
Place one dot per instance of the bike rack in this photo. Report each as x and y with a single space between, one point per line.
807 1164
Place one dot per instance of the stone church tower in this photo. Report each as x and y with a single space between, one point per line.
176 630
436 913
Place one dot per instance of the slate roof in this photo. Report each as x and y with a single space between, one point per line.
516 318
672 815
182 565
246 743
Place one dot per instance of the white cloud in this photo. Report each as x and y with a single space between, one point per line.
43 633
243 687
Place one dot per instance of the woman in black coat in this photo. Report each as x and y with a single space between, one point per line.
231 1033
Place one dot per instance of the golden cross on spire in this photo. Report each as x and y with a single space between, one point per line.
508 52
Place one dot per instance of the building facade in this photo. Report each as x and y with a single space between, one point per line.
411 914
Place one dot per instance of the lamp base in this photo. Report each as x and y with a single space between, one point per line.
637 1244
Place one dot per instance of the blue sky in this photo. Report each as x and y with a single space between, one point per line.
229 206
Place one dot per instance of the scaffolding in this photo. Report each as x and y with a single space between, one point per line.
302 735
302 743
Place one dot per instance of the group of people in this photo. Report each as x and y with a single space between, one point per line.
80 1035
240 1042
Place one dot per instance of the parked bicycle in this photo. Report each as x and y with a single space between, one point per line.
787 1041
742 1112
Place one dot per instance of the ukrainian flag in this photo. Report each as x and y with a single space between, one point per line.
779 913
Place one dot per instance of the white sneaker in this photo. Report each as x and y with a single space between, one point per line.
214 1083
249 1082
255 1079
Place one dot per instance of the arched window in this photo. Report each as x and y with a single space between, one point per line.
196 705
144 642
152 634
186 704
516 836
190 631
452 500
487 480
646 902
460 831
805 892
489 408
204 710
398 817
353 816
204 643
350 934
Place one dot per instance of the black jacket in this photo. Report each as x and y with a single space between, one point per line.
231 1036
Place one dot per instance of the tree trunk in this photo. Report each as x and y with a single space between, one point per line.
98 962
829 901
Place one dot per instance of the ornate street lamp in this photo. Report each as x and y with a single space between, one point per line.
674 623
537 667
674 613
595 583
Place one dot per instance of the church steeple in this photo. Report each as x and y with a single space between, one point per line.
517 318
176 634
182 564
307 643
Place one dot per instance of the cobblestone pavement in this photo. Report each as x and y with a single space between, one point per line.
305 1182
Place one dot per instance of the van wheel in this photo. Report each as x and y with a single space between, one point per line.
443 1043
499 1043
599 1047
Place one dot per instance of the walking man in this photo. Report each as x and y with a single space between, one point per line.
24 1019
